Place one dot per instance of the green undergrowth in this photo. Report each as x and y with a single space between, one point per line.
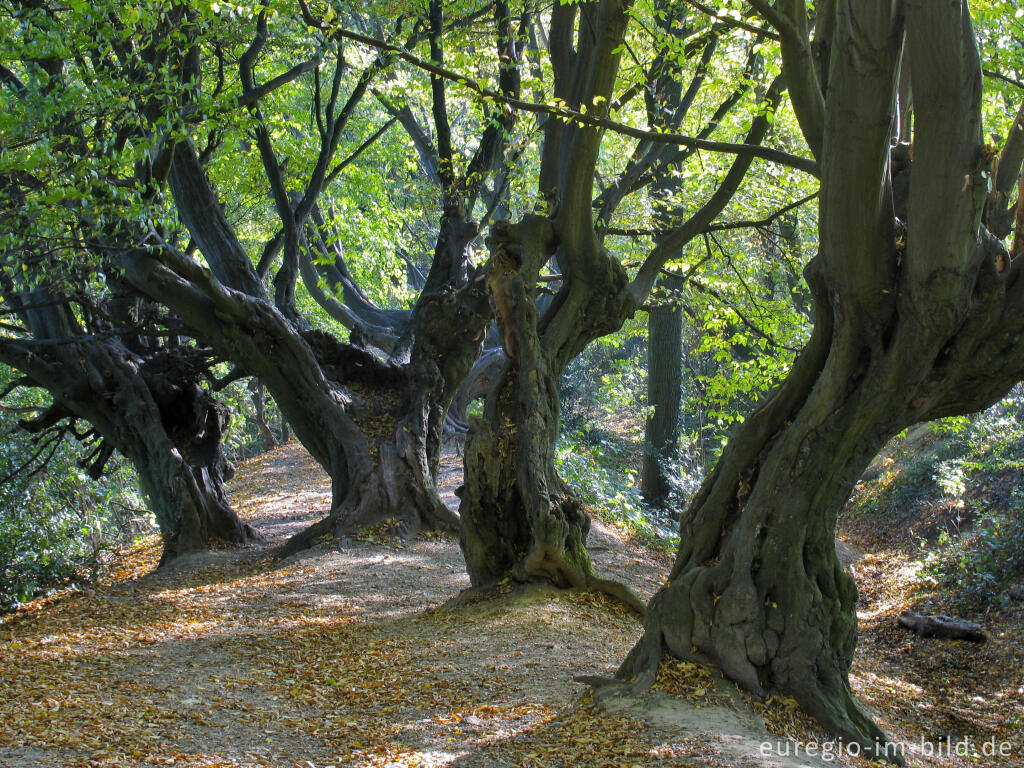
599 470
952 495
57 526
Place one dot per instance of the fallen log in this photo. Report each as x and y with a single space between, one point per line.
942 627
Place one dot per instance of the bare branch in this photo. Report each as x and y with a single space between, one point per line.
333 173
272 85
722 227
1005 78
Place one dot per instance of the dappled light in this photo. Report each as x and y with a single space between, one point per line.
573 384
348 656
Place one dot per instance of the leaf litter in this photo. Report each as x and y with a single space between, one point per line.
345 656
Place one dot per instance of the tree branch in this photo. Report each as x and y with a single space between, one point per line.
731 22
807 165
270 86
721 227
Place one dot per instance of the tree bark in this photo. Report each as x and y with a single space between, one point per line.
400 410
519 518
915 318
154 413
189 502
374 427
259 403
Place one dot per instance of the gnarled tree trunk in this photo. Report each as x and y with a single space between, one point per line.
916 318
519 518
154 413
189 502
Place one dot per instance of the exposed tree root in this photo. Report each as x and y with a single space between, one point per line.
618 591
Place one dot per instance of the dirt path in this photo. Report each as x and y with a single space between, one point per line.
344 656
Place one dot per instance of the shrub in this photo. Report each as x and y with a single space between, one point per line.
56 524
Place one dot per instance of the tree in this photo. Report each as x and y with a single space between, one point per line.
75 330
664 388
198 90
518 517
917 316
375 426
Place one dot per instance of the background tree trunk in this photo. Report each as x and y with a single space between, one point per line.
664 388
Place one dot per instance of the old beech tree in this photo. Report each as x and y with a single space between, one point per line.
122 374
374 424
519 518
918 315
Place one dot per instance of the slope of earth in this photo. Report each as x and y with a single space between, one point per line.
939 695
349 656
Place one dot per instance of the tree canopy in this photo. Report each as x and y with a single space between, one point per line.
385 213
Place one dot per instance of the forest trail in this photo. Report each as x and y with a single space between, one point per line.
345 656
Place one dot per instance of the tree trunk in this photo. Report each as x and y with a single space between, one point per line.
400 410
189 503
153 412
259 402
916 318
519 518
664 388
757 588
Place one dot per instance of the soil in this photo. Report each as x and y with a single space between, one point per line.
352 654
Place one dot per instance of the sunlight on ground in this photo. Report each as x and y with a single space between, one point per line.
344 657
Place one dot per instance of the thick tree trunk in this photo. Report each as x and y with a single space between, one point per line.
400 410
917 316
519 518
516 515
374 427
389 477
154 413
190 505
757 588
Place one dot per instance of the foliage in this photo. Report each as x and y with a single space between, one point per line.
982 554
609 489
977 564
955 490
56 525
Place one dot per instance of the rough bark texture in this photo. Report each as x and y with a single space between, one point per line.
520 519
154 412
375 427
915 318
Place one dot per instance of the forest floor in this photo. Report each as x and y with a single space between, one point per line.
348 655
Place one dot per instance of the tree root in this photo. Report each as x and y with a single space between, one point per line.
472 595
618 591
305 538
635 676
